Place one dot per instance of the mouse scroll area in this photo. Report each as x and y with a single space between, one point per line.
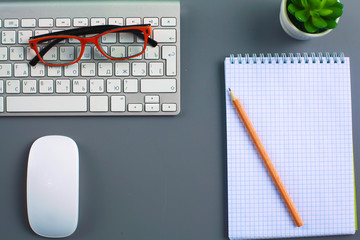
53 186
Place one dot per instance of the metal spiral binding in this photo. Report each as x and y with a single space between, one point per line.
276 56
313 57
231 58
254 58
291 57
239 58
306 57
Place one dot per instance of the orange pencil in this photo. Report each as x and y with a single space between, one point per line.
270 167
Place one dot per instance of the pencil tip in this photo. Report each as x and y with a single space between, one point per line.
229 89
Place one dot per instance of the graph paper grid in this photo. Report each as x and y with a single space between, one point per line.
302 114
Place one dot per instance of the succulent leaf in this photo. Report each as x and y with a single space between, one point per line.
337 12
325 12
331 24
338 5
318 22
314 4
322 4
297 3
330 3
302 15
292 9
305 3
309 27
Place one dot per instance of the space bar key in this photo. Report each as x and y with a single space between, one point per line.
46 104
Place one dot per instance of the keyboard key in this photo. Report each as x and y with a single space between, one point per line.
134 50
98 55
12 86
3 53
99 104
79 85
159 85
21 70
46 104
156 69
28 22
168 22
165 35
38 70
135 107
152 107
11 23
81 22
133 21
1 104
46 22
122 69
30 53
152 53
5 70
97 21
169 107
51 55
152 99
118 103
116 21
62 22
62 86
86 54
126 37
105 69
130 85
29 86
54 71
16 53
46 86
113 85
96 85
41 32
138 69
118 51
72 70
169 54
8 37
153 21
1 86
23 36
87 69
67 53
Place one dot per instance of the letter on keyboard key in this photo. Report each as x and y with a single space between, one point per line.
3 53
1 86
169 53
21 70
5 70
12 86
29 86
158 85
46 104
8 37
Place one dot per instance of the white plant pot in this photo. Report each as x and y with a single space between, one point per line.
293 31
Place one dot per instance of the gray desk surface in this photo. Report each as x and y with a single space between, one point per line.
165 177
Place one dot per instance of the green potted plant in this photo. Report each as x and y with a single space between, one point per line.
307 19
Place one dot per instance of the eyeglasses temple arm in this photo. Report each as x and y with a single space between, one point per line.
36 59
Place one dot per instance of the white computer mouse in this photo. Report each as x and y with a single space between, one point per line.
53 186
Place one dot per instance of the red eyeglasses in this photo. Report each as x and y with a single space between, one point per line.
114 42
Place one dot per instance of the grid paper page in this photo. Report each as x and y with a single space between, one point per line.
302 114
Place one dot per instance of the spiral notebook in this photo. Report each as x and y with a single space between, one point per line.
300 106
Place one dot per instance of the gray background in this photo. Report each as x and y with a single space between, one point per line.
165 177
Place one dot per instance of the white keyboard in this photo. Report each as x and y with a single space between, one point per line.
95 86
